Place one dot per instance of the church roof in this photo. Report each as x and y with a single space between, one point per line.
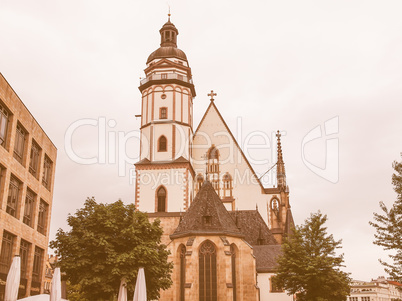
213 106
265 257
254 228
146 161
290 224
167 52
207 216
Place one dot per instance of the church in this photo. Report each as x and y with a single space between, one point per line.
223 228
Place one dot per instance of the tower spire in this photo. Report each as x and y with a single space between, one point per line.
169 14
280 165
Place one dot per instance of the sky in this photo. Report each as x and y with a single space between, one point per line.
327 74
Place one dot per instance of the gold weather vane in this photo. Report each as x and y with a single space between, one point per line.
169 12
212 94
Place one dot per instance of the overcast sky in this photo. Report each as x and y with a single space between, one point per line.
276 65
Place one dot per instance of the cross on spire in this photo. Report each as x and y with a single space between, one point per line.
212 94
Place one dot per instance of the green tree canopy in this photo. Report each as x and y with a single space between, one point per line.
309 266
108 242
388 227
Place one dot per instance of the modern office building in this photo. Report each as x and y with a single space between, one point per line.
27 168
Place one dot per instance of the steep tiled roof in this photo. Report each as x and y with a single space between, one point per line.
265 257
207 215
255 230
290 224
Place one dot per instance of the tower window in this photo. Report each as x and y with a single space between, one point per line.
162 144
163 113
161 200
207 272
213 168
199 180
227 185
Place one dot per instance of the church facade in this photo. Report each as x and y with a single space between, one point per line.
223 233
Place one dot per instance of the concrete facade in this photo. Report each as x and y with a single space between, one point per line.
27 161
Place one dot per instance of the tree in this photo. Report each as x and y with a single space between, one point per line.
108 242
388 226
309 266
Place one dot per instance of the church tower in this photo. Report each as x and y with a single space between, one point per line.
281 219
164 174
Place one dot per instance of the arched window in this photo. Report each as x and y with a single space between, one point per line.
162 144
233 251
199 181
207 272
182 271
213 167
161 200
227 185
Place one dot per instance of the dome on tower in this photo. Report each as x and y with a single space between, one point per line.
168 47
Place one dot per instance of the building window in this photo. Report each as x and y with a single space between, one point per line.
13 195
34 160
227 185
37 265
29 207
353 298
182 271
199 182
213 167
233 259
161 199
19 143
47 172
42 217
162 144
163 113
6 252
4 117
24 253
164 75
207 272
365 298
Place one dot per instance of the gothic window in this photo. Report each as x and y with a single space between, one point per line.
227 185
29 207
207 272
37 264
6 252
213 167
13 196
4 117
162 144
161 199
182 271
47 172
24 253
199 182
34 160
163 113
234 283
19 143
